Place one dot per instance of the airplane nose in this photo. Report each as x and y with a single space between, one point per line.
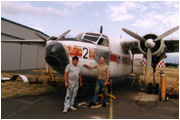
56 56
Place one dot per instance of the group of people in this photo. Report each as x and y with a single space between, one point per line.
72 78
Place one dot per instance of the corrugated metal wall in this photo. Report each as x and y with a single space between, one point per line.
10 56
17 30
18 57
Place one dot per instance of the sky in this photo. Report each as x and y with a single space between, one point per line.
55 17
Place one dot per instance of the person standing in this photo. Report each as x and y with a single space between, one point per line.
72 78
102 80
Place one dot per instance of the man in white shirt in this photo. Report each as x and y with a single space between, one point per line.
72 78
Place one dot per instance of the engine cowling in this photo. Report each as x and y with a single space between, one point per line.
151 45
158 48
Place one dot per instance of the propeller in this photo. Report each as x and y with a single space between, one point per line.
40 36
149 61
52 37
167 33
65 33
133 34
150 43
101 29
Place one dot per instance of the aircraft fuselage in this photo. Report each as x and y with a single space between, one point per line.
59 53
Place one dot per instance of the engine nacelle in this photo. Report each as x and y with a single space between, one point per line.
157 50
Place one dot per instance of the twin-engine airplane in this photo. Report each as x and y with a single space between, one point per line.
118 53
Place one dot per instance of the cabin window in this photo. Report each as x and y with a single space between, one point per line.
119 59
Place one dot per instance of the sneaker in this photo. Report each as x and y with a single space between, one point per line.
65 110
91 104
104 105
73 108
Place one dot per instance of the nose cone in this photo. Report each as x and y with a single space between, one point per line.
149 43
56 56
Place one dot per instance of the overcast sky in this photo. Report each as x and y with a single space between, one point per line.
53 18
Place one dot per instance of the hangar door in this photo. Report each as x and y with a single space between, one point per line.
10 56
32 56
15 56
28 56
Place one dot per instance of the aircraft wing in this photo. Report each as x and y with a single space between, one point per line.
172 45
130 44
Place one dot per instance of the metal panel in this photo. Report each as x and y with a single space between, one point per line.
40 56
10 56
138 64
18 30
5 37
28 56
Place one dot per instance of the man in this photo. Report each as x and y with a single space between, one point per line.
72 78
102 80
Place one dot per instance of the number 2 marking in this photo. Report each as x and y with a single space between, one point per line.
85 53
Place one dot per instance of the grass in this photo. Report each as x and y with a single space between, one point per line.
171 76
14 89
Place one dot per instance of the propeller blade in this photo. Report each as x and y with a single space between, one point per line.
40 36
167 33
133 34
101 29
65 33
149 61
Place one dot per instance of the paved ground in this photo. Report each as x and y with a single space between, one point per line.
131 102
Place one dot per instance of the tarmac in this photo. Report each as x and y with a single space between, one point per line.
131 103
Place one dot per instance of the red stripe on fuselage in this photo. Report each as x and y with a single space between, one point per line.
113 57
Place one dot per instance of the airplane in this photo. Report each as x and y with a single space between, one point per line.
118 53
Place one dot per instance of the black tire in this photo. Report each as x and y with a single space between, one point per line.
150 88
156 88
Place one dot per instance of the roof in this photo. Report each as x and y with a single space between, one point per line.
23 26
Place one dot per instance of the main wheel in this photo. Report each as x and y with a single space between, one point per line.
150 87
156 88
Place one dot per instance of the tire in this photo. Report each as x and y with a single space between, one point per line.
150 87
156 88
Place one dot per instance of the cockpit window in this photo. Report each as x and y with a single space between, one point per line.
91 38
100 39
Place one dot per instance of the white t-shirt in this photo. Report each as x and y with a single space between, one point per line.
73 73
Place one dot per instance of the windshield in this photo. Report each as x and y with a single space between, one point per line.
91 38
99 39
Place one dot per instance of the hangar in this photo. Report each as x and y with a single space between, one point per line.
20 55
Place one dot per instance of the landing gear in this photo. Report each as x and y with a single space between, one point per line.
153 86
156 88
150 88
